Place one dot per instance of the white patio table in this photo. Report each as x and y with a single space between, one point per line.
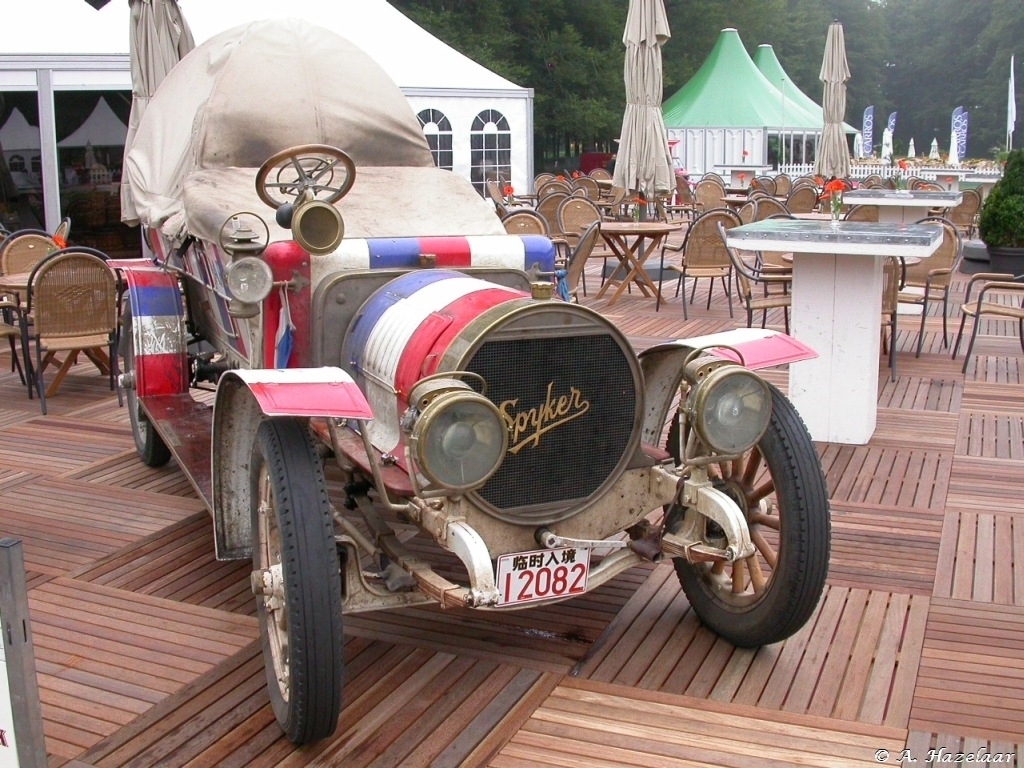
837 312
899 206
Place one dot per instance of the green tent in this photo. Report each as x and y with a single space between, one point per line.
766 61
729 91
768 64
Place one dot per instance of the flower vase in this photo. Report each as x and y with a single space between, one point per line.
835 204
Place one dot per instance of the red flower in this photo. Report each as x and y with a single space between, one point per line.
833 187
508 191
60 242
745 153
902 164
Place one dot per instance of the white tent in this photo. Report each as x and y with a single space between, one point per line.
17 135
20 144
101 129
431 74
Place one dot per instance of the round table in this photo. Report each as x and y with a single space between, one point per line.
632 243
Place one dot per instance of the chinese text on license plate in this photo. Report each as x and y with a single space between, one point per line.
525 577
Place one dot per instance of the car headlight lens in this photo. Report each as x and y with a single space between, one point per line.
730 409
460 440
249 279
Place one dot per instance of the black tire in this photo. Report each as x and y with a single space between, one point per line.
292 528
148 444
785 471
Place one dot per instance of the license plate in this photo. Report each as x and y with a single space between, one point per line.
526 577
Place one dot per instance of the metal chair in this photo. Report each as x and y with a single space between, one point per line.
72 297
747 277
1001 296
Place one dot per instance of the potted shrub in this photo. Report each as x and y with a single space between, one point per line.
1001 223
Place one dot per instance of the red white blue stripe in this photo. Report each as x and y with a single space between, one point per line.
161 366
404 330
508 251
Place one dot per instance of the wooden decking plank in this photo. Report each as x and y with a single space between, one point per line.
175 711
609 725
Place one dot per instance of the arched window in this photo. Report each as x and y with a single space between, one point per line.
16 163
438 130
490 143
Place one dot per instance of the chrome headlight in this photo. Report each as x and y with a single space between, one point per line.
730 408
249 279
459 437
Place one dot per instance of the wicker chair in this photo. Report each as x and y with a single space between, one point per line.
892 281
72 296
554 186
495 195
862 213
767 183
708 194
589 186
10 327
574 216
571 277
704 254
611 206
965 215
525 222
999 296
769 206
684 203
748 276
712 176
923 281
547 207
783 184
748 211
23 249
602 174
802 199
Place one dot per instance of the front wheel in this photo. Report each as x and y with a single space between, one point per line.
297 581
780 486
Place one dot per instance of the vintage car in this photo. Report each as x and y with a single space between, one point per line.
322 301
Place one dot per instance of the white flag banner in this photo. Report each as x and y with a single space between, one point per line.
1011 110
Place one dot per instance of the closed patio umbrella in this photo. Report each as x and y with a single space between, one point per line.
832 158
158 38
643 163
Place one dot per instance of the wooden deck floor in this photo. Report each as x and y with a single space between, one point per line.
147 648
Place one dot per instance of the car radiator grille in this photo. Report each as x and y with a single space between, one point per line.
573 405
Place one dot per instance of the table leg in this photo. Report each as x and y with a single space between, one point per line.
837 309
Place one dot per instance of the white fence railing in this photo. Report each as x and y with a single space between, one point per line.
863 170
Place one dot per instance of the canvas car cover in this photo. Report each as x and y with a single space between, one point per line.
262 87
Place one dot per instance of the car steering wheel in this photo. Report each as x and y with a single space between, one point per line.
324 171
